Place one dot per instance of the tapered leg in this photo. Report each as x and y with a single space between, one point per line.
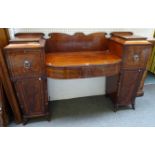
115 107
48 118
106 95
133 106
25 120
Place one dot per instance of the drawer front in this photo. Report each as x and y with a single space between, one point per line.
25 63
136 56
83 71
105 70
63 73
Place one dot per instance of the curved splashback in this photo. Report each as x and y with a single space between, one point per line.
60 42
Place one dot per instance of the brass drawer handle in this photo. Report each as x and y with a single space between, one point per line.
27 64
136 57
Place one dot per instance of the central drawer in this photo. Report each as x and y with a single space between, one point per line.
101 70
82 71
25 63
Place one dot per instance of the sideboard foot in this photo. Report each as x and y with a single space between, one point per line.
115 108
25 120
133 106
48 118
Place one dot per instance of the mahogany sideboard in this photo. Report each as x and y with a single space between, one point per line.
30 58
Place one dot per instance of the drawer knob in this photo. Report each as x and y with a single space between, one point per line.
27 64
0 109
136 57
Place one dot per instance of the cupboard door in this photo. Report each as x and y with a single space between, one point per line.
31 96
128 86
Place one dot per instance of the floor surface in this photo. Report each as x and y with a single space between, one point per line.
97 111
150 79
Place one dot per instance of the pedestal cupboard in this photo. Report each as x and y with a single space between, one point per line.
26 63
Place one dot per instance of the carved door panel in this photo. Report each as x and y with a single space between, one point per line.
128 86
31 96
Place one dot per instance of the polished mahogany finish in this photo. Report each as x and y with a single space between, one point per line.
82 64
33 99
140 42
140 91
80 56
59 42
134 54
26 64
122 58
